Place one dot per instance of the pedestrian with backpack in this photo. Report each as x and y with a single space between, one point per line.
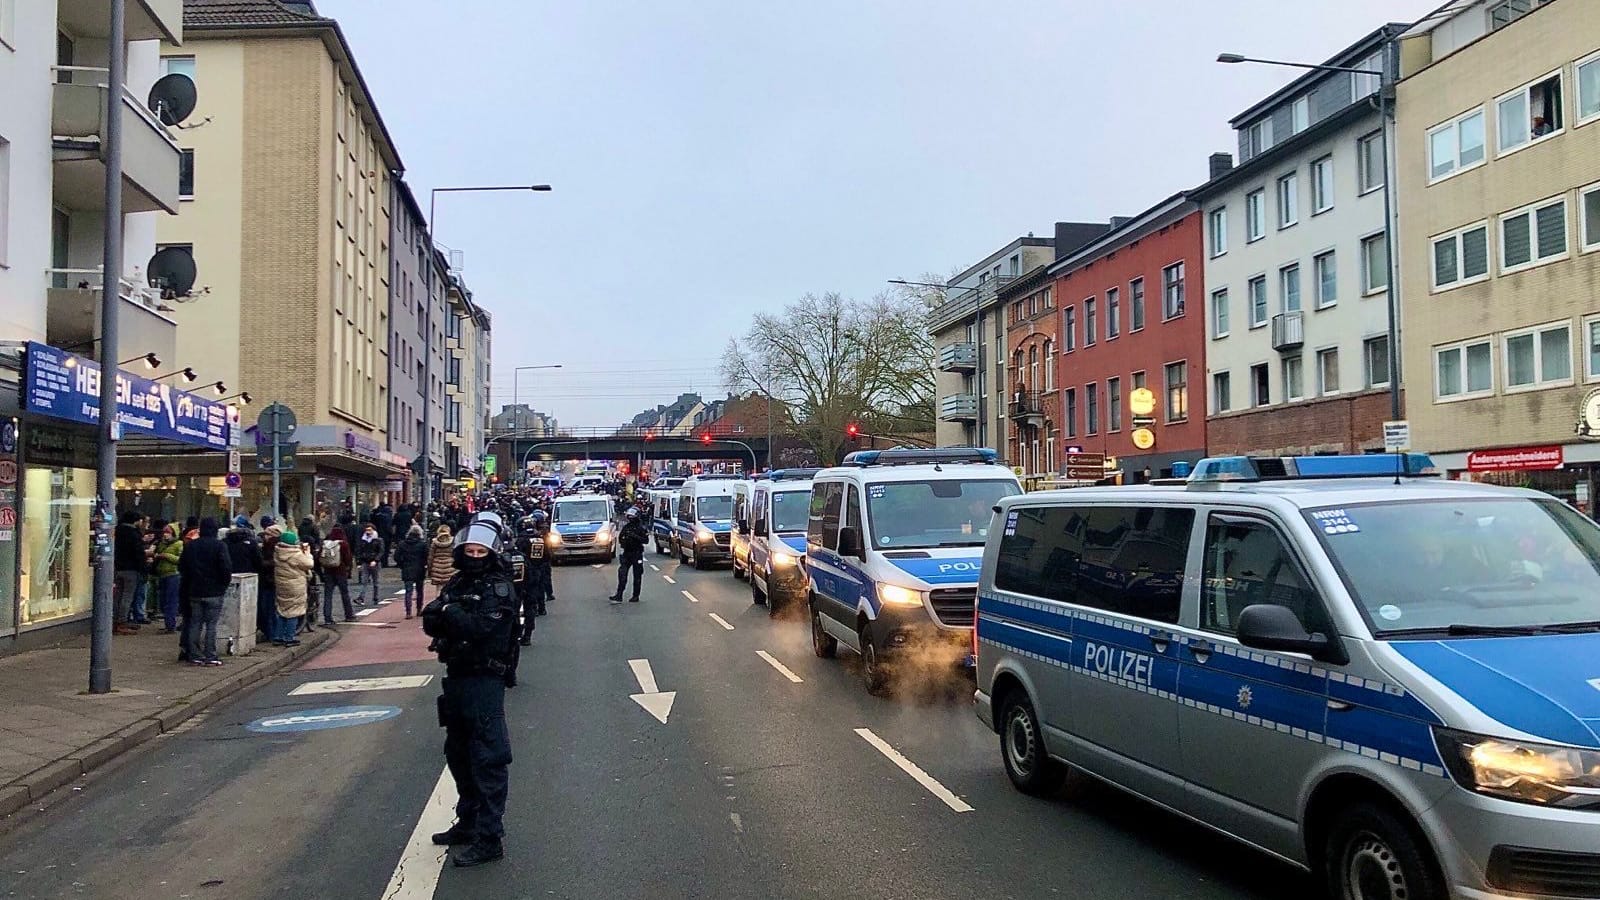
335 559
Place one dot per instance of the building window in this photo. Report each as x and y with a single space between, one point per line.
1091 323
1591 348
1049 299
1325 268
1374 264
1258 138
1172 290
1456 145
1539 357
1219 313
1461 257
1300 114
180 65
1322 185
1288 200
1463 370
186 174
1138 380
1588 88
1257 289
1049 365
1328 371
1367 82
1091 409
1113 404
1221 392
1293 382
1113 312
1072 412
1375 358
1069 328
1369 161
1589 199
1289 288
1260 390
1033 368
1177 382
1507 11
1136 304
1533 235
1528 114
1255 215
1219 231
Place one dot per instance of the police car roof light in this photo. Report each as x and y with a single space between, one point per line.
1219 469
910 457
792 474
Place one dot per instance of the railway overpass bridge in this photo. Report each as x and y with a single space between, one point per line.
515 450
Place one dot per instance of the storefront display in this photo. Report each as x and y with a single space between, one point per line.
57 529
10 474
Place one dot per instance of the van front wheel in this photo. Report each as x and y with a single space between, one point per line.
1028 764
1372 853
823 644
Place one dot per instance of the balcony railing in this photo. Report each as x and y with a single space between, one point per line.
1288 331
958 408
958 357
1027 407
964 302
150 157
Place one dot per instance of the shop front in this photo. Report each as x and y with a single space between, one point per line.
1565 471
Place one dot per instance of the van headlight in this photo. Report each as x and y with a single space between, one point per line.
899 596
603 536
1544 774
780 558
553 539
702 534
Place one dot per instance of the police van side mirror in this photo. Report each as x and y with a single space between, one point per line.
850 542
760 529
1267 626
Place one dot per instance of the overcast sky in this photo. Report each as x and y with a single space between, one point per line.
712 158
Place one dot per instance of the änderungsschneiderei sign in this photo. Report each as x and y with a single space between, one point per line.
67 386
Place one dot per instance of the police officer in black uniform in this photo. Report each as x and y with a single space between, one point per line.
635 534
473 623
536 573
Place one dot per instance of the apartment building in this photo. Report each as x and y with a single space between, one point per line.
1130 319
417 278
288 218
1499 161
1297 267
466 386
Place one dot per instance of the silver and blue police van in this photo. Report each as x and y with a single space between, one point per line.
580 526
894 542
739 536
664 511
776 525
1390 680
703 528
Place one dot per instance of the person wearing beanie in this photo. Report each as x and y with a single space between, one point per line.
292 565
267 522
206 572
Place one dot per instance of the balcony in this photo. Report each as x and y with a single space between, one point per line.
150 157
964 302
960 357
1027 408
1288 331
145 20
958 408
73 316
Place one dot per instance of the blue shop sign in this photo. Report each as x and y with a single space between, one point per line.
67 386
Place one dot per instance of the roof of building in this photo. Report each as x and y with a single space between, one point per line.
1357 51
1126 231
246 12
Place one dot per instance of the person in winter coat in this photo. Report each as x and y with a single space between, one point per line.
441 562
369 553
382 521
267 586
169 550
335 566
404 518
412 557
206 572
311 537
128 556
291 573
244 555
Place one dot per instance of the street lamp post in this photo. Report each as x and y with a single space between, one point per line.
979 430
1386 116
424 462
516 394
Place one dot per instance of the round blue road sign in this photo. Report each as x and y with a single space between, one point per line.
319 719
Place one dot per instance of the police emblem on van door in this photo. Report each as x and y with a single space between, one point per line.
1245 697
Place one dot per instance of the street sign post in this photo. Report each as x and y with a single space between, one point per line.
276 424
1397 436
1085 466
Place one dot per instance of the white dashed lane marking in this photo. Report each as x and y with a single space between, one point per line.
721 621
915 771
669 579
692 598
787 672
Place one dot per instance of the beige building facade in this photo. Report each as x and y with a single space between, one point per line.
1499 202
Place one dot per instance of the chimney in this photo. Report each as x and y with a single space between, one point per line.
1221 164
1119 221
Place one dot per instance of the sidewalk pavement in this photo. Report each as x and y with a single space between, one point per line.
52 730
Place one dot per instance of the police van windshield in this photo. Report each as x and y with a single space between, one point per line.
1467 566
789 511
583 511
906 514
714 509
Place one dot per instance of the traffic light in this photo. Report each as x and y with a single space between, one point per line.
705 437
622 468
852 431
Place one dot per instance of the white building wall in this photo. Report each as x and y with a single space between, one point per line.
26 55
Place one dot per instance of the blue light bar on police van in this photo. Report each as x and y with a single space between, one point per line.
912 457
792 474
1215 469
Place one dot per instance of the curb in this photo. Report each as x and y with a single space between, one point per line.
33 786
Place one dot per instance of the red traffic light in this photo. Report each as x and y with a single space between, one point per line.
852 430
705 438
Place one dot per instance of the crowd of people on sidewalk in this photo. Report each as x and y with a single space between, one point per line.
181 575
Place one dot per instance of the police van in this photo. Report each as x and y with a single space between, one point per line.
739 538
1390 680
776 524
664 511
894 542
703 530
580 526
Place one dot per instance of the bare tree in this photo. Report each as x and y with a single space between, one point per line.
834 361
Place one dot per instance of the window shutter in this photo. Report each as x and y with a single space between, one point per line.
1444 262
1552 225
1475 253
1515 251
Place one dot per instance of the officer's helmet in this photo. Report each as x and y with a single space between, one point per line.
486 530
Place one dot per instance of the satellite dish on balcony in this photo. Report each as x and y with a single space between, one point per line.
172 271
172 98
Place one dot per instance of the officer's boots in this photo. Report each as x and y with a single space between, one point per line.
479 852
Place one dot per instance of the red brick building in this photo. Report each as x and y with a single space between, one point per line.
1031 412
1130 314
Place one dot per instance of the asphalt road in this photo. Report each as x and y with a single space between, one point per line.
757 785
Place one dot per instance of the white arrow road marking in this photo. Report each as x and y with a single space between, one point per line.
654 567
416 876
349 685
787 673
721 621
366 612
692 598
657 703
915 771
669 579
596 565
399 593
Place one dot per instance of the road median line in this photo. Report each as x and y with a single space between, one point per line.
910 768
